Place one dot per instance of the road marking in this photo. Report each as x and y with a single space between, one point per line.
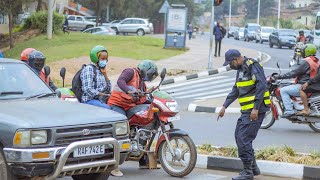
204 89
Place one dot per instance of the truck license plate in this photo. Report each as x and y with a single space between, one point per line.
88 151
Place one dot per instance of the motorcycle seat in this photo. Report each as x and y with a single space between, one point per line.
137 108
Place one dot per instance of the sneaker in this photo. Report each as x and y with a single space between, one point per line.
287 114
116 173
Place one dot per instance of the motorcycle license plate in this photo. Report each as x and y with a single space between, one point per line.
88 151
174 118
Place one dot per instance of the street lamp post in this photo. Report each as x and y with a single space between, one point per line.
211 36
258 19
279 4
230 13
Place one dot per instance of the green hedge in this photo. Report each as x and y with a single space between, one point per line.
39 19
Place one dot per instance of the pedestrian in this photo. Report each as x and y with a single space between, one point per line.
66 25
251 90
219 32
190 29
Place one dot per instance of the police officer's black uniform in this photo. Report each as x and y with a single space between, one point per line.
251 90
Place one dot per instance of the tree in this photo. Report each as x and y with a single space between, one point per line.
39 5
223 9
265 8
9 7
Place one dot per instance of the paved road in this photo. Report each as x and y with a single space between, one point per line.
205 129
132 172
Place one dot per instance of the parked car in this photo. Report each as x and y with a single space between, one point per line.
232 30
263 34
134 25
283 37
250 31
239 34
101 30
43 135
80 22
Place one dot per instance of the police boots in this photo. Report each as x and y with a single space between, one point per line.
255 168
246 173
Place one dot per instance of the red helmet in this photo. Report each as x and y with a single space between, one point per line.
25 53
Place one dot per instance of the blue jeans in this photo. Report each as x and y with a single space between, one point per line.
98 103
118 109
286 92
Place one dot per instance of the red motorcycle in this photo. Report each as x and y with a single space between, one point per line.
174 148
313 120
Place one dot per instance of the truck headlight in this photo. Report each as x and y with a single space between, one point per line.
173 106
26 138
121 128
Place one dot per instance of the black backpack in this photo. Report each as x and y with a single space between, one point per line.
77 83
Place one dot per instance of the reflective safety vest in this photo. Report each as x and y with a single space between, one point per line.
246 84
314 65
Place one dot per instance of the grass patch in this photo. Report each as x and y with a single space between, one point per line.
64 46
279 154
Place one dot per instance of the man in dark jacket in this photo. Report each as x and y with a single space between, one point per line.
302 75
219 33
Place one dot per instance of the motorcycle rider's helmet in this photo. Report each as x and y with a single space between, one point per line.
94 53
309 50
148 70
36 60
25 53
301 32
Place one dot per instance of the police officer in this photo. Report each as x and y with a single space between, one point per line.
252 93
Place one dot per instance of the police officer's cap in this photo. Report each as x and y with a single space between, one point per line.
230 55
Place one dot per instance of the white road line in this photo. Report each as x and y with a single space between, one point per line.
192 82
269 68
196 89
199 95
214 96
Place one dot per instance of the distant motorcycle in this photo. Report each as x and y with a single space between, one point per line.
313 120
297 54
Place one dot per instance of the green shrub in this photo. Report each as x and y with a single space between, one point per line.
18 28
39 19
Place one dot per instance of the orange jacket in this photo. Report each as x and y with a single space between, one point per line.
314 65
124 100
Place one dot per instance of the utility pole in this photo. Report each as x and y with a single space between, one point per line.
49 24
279 4
230 14
258 19
211 36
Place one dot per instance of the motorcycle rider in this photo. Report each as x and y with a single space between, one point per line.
36 60
301 37
311 86
252 92
302 73
125 94
96 93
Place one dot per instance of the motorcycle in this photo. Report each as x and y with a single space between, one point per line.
313 119
174 148
297 54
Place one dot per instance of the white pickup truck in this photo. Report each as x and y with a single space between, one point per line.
79 22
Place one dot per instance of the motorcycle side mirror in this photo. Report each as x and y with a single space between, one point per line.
278 67
46 71
58 93
63 74
163 73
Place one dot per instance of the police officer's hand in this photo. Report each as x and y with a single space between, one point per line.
221 113
304 86
254 114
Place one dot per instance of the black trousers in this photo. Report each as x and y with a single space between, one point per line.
246 131
217 43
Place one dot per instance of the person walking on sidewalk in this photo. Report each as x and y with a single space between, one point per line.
219 33
190 29
251 90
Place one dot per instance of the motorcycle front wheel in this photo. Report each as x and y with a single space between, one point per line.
315 127
184 159
268 120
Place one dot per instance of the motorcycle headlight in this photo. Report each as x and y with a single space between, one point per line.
26 138
121 128
173 106
71 99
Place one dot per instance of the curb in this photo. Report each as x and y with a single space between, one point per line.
269 168
262 57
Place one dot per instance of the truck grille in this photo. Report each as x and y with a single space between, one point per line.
66 136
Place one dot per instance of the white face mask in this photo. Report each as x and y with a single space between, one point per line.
102 63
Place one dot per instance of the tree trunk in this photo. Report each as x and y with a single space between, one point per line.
39 5
11 28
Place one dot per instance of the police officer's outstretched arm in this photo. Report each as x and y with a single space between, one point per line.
232 96
261 88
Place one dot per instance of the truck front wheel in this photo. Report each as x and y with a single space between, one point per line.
99 176
5 172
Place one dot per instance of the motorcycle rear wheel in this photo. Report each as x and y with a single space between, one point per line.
268 120
177 166
315 127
